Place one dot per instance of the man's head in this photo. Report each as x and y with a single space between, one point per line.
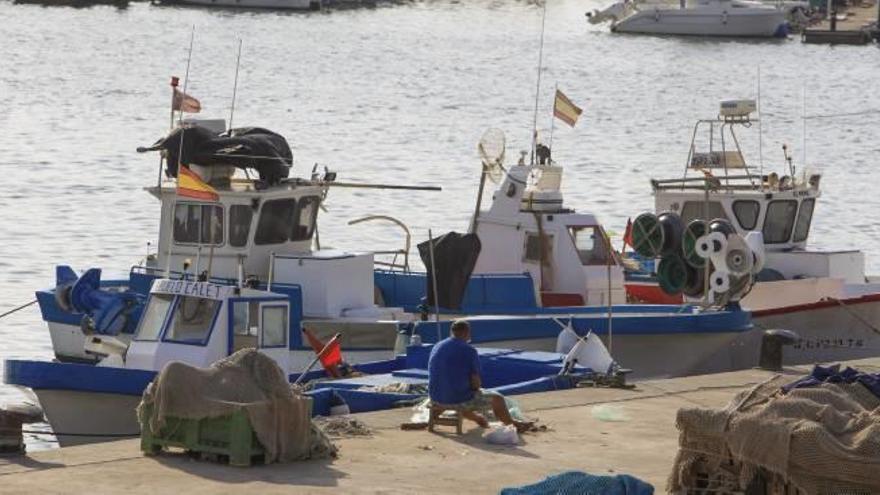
461 329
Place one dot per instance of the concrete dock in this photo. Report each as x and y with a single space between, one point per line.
600 431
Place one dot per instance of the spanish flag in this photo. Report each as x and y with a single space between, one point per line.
565 110
190 185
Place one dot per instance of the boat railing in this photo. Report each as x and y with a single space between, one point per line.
746 182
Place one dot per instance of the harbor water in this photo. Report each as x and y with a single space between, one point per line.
395 94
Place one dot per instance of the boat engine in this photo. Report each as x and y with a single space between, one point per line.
105 312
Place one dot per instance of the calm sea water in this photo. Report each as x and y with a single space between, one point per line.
395 94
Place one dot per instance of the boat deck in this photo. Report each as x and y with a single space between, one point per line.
642 441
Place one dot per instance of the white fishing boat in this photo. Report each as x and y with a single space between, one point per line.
731 18
250 4
823 295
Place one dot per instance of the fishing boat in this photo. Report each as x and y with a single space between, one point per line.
730 18
249 4
199 323
823 295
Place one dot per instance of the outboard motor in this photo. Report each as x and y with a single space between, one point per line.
104 312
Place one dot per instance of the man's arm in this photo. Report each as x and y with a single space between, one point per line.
476 381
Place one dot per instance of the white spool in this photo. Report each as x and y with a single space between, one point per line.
710 244
719 281
755 240
738 257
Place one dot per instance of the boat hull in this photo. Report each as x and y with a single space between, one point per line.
252 4
80 417
757 23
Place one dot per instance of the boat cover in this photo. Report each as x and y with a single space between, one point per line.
820 437
246 147
455 255
246 380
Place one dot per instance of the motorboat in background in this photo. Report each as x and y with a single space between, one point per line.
823 295
732 18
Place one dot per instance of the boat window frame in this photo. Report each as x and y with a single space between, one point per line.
610 255
548 246
208 335
700 203
203 205
791 221
258 300
286 230
271 304
313 218
797 220
736 214
162 324
250 224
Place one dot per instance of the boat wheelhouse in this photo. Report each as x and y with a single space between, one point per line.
824 295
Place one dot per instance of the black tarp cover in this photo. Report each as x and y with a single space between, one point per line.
455 255
247 147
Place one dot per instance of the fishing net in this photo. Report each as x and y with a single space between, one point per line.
246 380
343 426
819 440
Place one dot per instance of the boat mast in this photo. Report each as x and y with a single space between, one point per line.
538 85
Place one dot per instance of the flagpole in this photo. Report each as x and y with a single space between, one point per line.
235 84
538 86
179 154
553 116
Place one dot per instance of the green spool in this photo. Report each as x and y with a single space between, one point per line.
647 235
672 274
694 230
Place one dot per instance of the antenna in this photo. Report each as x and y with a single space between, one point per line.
235 85
760 128
804 159
538 85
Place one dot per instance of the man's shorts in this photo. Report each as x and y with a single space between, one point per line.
481 401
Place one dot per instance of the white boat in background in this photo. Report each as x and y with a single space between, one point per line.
250 4
733 18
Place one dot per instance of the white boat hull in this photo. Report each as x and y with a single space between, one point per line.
76 416
736 23
254 4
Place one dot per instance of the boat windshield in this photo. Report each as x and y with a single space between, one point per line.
191 320
154 317
591 245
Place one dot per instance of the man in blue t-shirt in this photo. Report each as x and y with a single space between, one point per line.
454 379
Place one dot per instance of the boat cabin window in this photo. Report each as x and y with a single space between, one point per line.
533 247
805 216
779 221
591 245
305 225
244 318
283 220
154 317
198 224
274 326
191 320
240 217
692 210
746 212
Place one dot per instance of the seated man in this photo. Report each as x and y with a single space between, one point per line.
454 380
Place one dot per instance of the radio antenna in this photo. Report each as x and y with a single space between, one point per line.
538 85
235 84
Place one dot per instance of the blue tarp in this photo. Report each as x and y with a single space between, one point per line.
580 483
833 374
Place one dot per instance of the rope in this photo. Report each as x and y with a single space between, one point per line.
18 308
856 315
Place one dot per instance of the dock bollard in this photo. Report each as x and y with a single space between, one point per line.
11 419
772 344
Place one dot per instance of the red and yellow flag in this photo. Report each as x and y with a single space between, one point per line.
565 110
185 103
191 185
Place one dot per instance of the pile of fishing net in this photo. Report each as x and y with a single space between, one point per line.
820 435
247 380
343 426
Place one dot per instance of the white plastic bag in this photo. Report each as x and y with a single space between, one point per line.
503 435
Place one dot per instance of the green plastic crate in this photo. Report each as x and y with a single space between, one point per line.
231 436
